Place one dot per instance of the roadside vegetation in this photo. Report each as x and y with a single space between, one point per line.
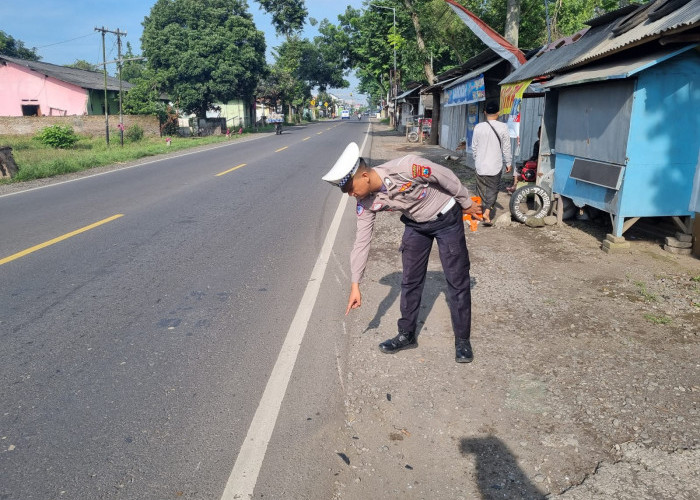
37 159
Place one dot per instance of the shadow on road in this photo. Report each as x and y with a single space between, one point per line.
497 472
435 285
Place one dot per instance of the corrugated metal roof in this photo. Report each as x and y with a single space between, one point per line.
600 41
685 16
407 93
475 73
547 62
477 61
80 77
615 70
437 85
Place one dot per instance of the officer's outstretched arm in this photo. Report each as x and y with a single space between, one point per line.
355 299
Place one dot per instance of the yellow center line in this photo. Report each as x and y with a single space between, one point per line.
281 149
305 139
56 240
231 169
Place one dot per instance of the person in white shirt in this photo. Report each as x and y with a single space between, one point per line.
490 146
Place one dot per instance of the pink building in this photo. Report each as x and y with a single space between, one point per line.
31 88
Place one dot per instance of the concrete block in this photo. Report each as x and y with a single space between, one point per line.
615 239
673 242
686 238
678 251
610 247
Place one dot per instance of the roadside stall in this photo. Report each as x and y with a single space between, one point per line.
620 123
627 136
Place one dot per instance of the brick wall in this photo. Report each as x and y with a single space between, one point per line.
90 125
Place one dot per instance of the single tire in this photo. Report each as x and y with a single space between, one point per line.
412 137
634 19
662 9
530 201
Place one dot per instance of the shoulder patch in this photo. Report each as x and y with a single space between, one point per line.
388 182
420 170
423 193
376 206
360 209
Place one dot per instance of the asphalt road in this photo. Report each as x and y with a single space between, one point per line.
135 352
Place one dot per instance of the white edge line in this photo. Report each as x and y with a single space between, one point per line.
244 476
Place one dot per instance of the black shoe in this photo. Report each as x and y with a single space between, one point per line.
403 340
463 351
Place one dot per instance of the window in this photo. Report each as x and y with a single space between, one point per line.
31 110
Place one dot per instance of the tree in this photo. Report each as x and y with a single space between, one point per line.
512 21
132 70
144 98
207 50
287 15
83 64
15 48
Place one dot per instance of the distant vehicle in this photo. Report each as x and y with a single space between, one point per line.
345 114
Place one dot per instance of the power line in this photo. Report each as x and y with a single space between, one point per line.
65 41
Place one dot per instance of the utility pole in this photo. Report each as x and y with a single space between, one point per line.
104 69
119 58
104 30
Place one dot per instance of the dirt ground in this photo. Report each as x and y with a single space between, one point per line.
586 378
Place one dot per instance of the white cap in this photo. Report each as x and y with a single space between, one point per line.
345 167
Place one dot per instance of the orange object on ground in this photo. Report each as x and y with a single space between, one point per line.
477 200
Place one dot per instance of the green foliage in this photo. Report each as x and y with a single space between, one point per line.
657 319
144 98
134 133
364 39
58 137
35 163
287 15
9 46
205 51
646 295
83 64
132 71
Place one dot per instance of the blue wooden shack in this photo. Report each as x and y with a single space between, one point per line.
627 136
622 107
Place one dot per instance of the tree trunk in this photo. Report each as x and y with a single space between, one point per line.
512 21
427 67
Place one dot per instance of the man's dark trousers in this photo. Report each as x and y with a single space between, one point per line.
417 242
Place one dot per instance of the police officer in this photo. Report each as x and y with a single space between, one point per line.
432 200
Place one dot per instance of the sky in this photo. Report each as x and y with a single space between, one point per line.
63 31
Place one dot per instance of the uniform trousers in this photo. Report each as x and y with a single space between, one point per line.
415 248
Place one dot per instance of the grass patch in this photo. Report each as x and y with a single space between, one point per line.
657 319
642 288
37 161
